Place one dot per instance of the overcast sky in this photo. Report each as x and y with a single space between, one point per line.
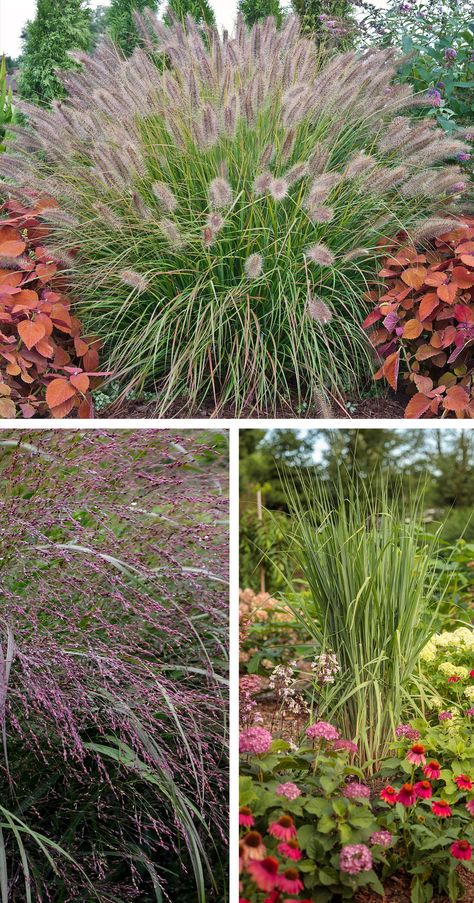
14 14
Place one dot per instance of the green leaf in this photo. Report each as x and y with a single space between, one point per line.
326 824
246 791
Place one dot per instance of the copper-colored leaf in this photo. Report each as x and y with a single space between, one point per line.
436 278
414 276
448 292
7 408
412 329
90 360
417 406
12 248
468 259
81 382
428 303
462 277
457 399
30 332
58 392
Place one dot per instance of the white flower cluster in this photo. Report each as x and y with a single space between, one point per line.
460 640
282 681
325 667
451 670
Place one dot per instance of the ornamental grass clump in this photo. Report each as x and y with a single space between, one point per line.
113 692
230 197
374 592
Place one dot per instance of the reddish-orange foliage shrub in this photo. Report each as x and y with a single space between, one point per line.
425 322
46 365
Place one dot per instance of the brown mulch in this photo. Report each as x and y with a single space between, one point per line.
397 890
381 407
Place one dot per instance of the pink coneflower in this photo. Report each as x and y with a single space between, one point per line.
264 873
389 795
453 679
406 795
354 790
445 716
284 828
290 849
441 808
463 782
382 838
252 846
432 770
416 754
290 790
461 849
290 881
470 807
424 790
322 730
355 858
246 818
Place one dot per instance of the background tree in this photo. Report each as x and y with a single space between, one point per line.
254 10
120 22
59 26
312 11
200 10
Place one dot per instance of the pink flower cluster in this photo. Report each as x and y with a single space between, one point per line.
255 741
354 790
383 838
405 730
322 730
289 790
355 858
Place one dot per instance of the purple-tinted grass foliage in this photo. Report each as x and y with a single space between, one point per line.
114 571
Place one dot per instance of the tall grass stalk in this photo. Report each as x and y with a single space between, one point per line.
253 297
374 595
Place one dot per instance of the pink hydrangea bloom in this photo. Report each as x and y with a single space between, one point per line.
322 730
291 791
405 730
355 858
383 838
351 747
355 790
255 740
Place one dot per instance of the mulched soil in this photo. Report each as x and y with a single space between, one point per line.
397 890
381 407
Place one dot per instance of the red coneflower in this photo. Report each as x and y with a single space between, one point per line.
471 673
290 849
264 873
461 849
246 818
253 846
470 807
284 828
389 795
406 796
453 679
416 754
441 808
273 897
463 782
432 770
290 881
423 789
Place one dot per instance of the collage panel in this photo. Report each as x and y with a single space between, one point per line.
236 209
356 665
114 666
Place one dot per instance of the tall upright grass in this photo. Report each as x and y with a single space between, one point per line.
114 677
374 595
228 198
